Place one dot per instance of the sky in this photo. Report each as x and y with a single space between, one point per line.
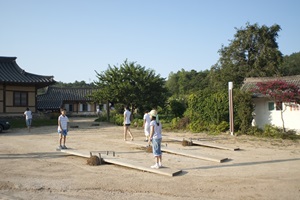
73 39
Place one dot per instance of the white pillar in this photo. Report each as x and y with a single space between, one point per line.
230 88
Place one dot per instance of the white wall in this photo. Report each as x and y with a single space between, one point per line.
291 116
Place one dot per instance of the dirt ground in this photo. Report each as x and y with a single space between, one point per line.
31 168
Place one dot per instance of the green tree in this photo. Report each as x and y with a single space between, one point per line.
252 53
290 65
186 82
177 107
132 85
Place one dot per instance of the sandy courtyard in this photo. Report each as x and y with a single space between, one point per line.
31 168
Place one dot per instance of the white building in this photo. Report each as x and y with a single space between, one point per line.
267 112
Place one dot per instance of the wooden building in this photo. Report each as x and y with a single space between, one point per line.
74 100
18 88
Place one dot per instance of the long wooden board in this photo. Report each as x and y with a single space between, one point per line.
206 144
184 153
125 163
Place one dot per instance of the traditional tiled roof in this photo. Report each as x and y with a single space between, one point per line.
250 83
56 96
11 73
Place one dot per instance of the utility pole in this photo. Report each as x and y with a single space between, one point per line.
230 88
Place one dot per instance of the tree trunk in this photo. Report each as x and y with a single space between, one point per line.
108 111
281 112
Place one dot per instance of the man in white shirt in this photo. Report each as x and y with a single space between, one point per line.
62 129
28 118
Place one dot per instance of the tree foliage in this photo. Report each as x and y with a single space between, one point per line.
186 82
279 91
252 53
131 84
290 65
76 84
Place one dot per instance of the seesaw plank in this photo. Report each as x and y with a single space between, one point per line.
206 144
184 153
167 171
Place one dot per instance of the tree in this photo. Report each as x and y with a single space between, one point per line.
290 65
177 107
132 85
252 53
186 82
280 92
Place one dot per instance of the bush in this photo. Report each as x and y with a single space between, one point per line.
137 122
222 127
197 127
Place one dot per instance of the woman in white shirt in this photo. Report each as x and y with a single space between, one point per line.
156 136
126 123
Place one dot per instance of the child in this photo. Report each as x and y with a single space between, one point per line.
127 115
62 129
28 118
146 125
155 135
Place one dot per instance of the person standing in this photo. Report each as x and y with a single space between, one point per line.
28 118
146 125
62 129
156 136
127 115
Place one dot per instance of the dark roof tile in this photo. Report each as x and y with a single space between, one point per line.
11 73
55 96
250 83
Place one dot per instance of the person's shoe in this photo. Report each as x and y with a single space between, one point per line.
64 147
59 147
160 165
155 166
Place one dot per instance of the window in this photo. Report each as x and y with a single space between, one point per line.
20 99
272 106
84 107
71 107
278 105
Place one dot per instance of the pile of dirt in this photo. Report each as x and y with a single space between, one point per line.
94 160
187 143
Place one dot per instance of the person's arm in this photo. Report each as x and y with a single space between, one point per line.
124 119
59 124
144 122
151 134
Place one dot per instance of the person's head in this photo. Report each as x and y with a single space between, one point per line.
27 109
63 111
154 116
126 107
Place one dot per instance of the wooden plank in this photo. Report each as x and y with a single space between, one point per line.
184 153
206 144
125 162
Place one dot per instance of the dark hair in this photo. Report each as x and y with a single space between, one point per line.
154 118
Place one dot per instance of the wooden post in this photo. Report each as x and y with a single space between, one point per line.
230 88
